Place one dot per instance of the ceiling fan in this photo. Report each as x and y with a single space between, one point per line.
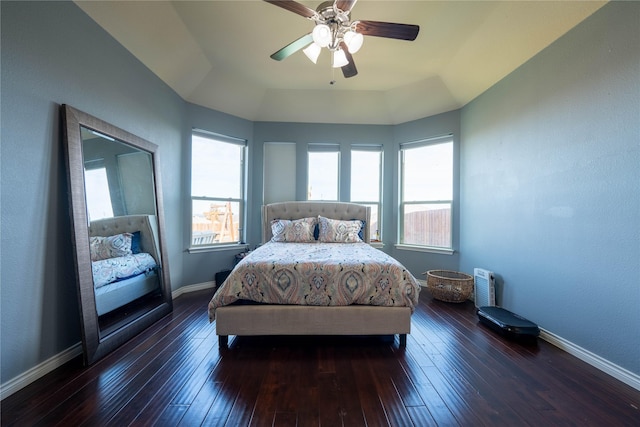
335 31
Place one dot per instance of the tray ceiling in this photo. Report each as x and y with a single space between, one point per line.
216 54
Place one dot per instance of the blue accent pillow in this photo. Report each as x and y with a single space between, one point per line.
135 243
361 232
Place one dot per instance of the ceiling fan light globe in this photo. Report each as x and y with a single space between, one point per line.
322 35
339 59
353 41
313 52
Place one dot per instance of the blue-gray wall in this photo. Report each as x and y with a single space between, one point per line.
52 54
550 192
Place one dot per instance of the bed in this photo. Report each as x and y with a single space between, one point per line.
310 285
124 260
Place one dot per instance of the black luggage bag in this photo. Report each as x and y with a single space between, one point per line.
508 324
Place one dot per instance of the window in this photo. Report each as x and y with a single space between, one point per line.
426 193
217 189
97 191
323 172
366 168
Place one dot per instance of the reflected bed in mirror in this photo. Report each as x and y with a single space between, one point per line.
124 263
118 232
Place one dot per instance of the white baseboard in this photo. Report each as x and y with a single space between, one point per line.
592 359
39 371
193 288
42 369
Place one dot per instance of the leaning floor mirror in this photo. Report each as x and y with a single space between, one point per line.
118 232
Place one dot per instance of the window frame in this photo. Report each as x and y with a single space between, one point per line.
402 204
241 200
377 149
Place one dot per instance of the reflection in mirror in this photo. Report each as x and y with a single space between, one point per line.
116 203
122 221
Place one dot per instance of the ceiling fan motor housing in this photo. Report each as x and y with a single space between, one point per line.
337 21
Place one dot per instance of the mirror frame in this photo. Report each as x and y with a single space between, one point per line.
94 345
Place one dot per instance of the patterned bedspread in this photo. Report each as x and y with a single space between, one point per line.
321 274
119 268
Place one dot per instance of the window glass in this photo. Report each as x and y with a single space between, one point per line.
365 175
98 196
216 168
427 224
428 173
426 194
323 175
366 167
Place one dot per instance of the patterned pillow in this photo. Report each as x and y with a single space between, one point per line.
293 231
337 231
110 247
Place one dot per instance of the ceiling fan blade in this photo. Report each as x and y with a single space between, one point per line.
294 6
292 47
388 29
345 5
350 69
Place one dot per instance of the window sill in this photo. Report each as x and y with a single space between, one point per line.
217 248
442 251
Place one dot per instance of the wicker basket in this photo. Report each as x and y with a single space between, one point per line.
449 286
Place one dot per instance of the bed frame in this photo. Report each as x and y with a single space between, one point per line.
244 320
115 295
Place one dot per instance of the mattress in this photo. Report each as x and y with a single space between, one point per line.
318 274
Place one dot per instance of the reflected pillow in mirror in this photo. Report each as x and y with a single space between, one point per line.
339 231
135 243
110 246
293 231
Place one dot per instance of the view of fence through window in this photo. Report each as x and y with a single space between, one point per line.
427 225
216 190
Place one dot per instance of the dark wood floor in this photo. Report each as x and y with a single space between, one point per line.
453 371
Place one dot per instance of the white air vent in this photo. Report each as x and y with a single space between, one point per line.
484 288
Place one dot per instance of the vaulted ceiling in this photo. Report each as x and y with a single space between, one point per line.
216 54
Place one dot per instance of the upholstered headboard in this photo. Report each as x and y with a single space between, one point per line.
146 224
297 210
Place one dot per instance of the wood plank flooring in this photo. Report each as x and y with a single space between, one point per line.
453 372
